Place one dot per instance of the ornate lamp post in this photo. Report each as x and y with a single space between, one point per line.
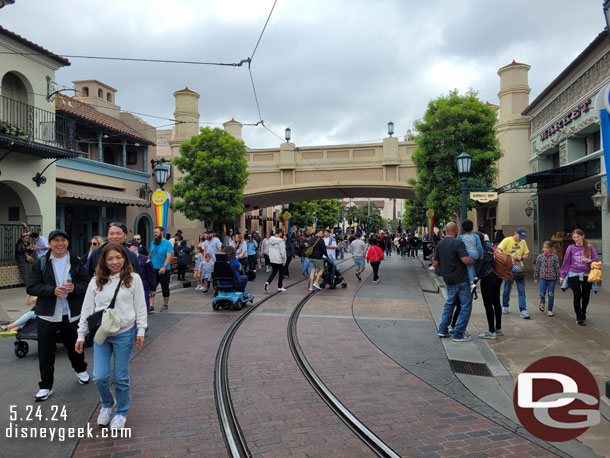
464 160
162 171
391 127
287 134
607 15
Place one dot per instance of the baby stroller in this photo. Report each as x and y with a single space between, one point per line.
28 332
226 289
331 276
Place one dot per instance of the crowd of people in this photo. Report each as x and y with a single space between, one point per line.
464 261
119 279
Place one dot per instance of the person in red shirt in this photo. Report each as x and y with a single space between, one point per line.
374 256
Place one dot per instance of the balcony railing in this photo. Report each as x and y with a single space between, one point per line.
9 236
20 120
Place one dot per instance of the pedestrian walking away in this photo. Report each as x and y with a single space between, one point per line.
516 247
547 272
277 257
374 256
451 258
575 269
316 252
358 252
160 252
490 282
115 286
59 281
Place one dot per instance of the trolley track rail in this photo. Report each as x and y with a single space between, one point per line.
231 431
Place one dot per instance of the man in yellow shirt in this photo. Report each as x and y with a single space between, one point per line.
516 247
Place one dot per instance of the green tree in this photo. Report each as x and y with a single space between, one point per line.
325 210
215 174
451 124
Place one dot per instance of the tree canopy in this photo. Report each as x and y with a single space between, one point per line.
360 215
325 210
451 124
215 174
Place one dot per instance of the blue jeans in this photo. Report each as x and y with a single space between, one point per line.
306 270
547 286
23 319
121 345
457 294
470 267
340 253
520 288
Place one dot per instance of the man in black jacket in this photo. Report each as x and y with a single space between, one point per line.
117 233
60 281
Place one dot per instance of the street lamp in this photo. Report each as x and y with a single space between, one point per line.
529 210
607 15
391 125
464 160
598 198
287 134
162 170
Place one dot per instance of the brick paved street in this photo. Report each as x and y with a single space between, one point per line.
374 345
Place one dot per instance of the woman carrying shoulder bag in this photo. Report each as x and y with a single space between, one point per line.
114 286
576 268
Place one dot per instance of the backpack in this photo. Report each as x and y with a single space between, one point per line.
503 265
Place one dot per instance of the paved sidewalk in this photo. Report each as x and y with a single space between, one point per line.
527 341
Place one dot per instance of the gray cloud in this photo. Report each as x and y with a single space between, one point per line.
335 72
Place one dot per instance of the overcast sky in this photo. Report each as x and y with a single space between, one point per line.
335 71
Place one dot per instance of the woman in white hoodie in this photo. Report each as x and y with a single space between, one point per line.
114 274
277 256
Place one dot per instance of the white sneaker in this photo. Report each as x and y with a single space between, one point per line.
43 394
83 377
104 417
487 335
281 290
266 285
199 288
118 422
316 286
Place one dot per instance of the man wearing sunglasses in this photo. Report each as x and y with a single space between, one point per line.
117 233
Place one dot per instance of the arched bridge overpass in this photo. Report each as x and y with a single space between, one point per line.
293 174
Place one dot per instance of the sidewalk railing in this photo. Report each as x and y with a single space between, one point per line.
9 236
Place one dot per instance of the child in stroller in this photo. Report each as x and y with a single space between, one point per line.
332 275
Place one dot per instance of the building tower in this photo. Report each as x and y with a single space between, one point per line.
513 131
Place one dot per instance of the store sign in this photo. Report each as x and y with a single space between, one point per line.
484 197
566 120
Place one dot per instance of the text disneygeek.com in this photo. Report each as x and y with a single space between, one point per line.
21 426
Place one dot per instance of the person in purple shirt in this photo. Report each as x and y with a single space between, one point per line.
576 267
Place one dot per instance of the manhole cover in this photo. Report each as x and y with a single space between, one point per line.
470 368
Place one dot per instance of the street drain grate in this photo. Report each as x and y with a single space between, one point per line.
467 367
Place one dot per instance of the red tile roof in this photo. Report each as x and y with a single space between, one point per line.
186 89
34 46
87 113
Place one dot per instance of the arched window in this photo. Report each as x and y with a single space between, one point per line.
109 96
100 93
85 91
13 88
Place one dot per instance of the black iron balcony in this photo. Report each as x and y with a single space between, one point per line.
28 123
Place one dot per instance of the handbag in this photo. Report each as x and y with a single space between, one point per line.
518 271
94 321
309 251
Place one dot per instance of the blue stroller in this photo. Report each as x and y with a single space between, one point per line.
226 288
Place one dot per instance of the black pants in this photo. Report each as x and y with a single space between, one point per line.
252 262
276 268
375 266
244 264
490 290
286 272
47 335
582 291
164 280
181 272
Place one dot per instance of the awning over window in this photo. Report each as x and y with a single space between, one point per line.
77 191
553 178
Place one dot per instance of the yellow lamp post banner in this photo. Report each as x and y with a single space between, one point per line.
161 200
287 217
